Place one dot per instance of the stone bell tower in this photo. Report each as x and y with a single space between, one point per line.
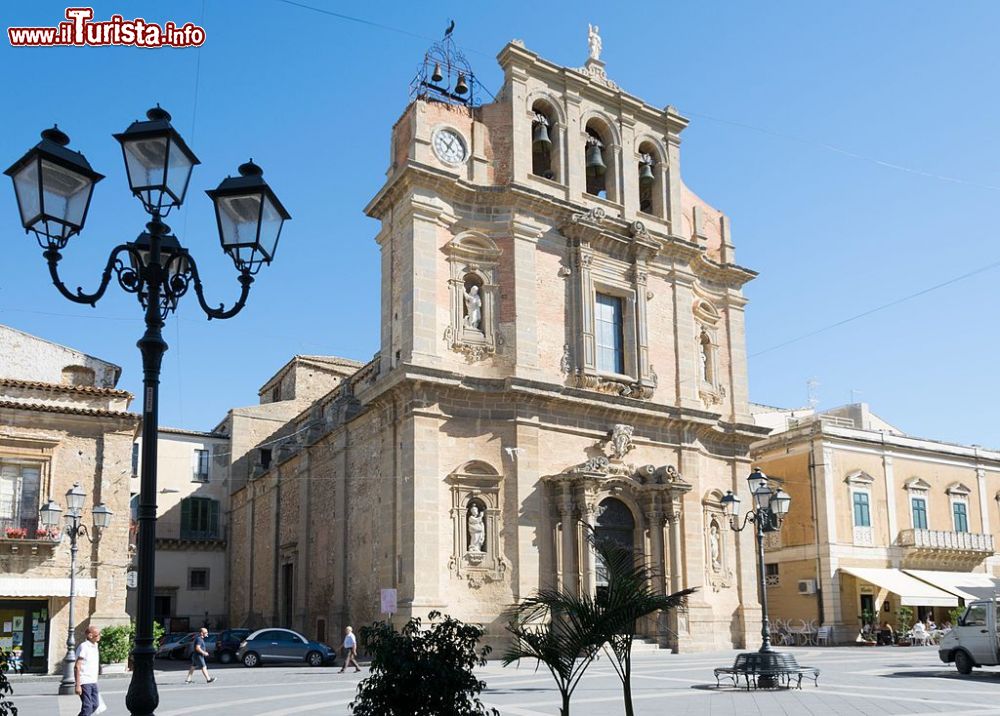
549 285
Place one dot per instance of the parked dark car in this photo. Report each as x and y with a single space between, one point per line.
179 649
283 646
172 641
228 644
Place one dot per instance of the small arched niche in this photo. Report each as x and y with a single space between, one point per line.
472 304
649 166
475 515
473 260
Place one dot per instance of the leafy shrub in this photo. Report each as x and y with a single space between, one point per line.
116 641
905 618
422 672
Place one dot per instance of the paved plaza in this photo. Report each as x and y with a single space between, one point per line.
854 681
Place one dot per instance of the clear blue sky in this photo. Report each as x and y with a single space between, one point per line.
793 106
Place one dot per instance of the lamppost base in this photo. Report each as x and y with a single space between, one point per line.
68 683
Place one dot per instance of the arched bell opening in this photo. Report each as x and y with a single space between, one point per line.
598 160
650 169
544 142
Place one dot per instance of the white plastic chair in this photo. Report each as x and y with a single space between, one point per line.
919 635
823 635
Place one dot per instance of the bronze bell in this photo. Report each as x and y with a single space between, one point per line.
646 176
460 86
436 76
540 137
595 160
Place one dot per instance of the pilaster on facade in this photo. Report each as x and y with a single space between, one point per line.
984 511
525 281
531 508
890 496
687 364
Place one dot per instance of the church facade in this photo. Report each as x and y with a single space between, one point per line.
562 345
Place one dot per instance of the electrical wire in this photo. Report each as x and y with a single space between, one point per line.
876 309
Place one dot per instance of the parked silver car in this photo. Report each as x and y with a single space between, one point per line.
275 646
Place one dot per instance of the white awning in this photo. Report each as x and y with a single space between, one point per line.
966 585
911 591
45 587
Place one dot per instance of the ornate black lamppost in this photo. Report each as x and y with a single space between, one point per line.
770 505
74 529
54 185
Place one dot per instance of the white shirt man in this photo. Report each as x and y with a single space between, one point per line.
350 650
88 664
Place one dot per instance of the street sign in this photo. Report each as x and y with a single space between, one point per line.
388 601
132 579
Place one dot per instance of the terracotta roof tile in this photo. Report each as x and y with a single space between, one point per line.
93 412
60 388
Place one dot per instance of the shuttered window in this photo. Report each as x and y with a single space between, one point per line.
919 513
19 488
862 516
961 515
199 518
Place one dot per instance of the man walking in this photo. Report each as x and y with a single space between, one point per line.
350 650
198 654
88 660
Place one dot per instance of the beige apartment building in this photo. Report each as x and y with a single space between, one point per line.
62 422
879 519
192 504
561 345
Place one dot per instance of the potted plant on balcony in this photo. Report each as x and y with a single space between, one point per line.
16 532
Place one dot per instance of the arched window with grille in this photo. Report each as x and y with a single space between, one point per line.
616 524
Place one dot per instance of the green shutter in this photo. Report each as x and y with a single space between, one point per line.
214 524
185 516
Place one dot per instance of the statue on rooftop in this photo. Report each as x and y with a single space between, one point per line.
594 41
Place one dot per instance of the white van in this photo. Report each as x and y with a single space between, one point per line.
973 641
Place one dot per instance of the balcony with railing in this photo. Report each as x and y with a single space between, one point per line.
940 548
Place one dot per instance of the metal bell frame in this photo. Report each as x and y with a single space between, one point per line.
445 75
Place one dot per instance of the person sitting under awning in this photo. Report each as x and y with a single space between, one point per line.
885 635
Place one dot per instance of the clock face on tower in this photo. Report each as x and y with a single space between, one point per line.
449 146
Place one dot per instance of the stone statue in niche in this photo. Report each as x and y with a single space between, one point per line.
473 308
594 41
477 530
715 546
705 343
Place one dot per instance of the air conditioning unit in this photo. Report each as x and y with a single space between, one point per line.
807 586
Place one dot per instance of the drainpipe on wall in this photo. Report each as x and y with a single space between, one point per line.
815 520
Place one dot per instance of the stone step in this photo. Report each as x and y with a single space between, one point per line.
643 646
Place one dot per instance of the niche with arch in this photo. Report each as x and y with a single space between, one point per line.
476 525
719 571
473 261
708 318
